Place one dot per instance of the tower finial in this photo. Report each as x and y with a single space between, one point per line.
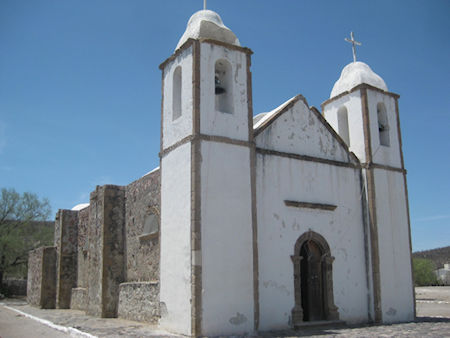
354 44
204 4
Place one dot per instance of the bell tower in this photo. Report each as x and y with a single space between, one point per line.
365 114
207 183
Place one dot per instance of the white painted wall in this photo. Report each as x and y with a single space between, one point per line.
175 261
175 130
382 154
227 258
299 131
352 102
216 123
393 240
279 227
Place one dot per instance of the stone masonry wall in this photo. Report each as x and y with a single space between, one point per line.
82 251
16 287
41 286
106 252
113 248
95 257
79 300
34 280
66 255
142 227
139 301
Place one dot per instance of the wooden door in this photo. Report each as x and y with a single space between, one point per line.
312 288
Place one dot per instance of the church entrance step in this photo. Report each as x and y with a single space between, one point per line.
320 324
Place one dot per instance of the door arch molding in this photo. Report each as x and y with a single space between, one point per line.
330 311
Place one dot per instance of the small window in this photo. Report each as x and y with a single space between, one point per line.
342 117
150 224
223 87
176 103
383 126
150 228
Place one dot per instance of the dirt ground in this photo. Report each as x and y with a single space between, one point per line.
17 319
433 302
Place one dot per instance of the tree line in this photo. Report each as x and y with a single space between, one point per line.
24 226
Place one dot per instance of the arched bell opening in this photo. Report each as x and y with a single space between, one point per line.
343 129
383 124
313 280
176 97
223 88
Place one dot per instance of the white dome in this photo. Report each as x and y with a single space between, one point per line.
207 24
354 74
80 206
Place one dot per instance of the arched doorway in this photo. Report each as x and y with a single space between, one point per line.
313 280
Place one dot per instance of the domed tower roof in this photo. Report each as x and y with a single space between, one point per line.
207 24
354 74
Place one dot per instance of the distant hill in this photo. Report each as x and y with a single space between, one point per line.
439 256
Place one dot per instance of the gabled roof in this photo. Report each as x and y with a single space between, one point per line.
269 120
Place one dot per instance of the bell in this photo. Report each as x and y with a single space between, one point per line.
382 127
219 88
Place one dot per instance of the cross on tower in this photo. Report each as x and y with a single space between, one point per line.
354 44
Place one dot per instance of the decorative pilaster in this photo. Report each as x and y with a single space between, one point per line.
331 310
297 311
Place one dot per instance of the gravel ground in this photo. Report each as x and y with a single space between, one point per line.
433 320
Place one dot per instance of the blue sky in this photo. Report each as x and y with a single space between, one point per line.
80 87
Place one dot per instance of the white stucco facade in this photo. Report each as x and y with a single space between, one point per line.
175 129
386 155
395 260
227 260
352 103
279 226
212 121
175 263
247 210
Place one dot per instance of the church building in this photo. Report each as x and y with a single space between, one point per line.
251 223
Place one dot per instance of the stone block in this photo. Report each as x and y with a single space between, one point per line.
66 232
106 250
82 251
41 285
16 287
142 228
139 301
79 299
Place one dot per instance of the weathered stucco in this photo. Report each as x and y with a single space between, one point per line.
227 249
175 130
390 155
279 227
176 240
299 131
397 303
213 122
352 102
